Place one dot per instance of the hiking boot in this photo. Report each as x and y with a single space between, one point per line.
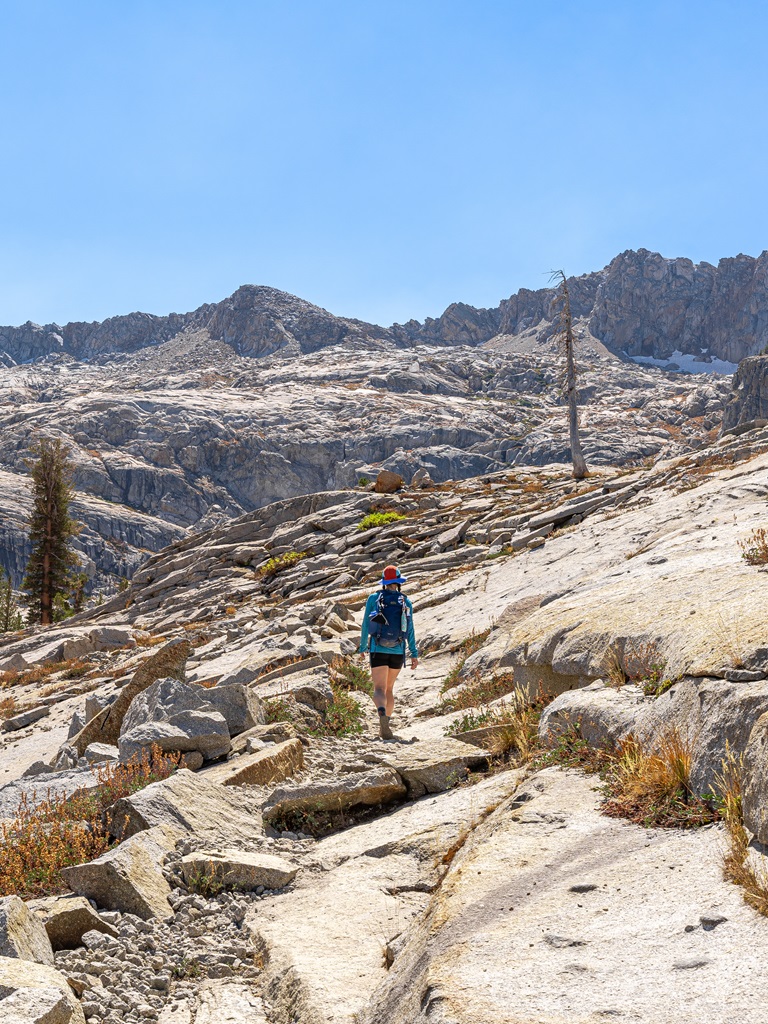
384 730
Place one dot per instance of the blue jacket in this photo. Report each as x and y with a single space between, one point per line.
370 608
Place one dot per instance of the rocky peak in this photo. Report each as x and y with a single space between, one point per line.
650 306
641 304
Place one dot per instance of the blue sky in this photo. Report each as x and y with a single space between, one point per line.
381 159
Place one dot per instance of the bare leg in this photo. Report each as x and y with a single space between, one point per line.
392 674
379 675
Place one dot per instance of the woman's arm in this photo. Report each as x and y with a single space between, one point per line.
411 635
364 632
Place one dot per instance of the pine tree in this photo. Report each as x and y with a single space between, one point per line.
48 578
10 616
566 340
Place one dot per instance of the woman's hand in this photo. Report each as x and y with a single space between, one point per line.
414 663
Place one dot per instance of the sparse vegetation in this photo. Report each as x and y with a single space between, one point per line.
373 519
205 884
347 675
515 722
74 668
363 481
738 867
647 787
187 967
754 550
8 707
467 647
279 563
277 709
45 837
642 663
342 717
480 689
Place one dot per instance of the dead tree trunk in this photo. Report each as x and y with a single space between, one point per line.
566 340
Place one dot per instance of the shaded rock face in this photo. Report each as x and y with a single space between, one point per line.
748 401
650 306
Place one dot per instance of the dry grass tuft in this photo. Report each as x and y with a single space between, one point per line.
648 787
641 663
8 708
515 722
737 864
754 550
73 668
468 646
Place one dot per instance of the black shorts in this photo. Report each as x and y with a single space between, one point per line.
390 660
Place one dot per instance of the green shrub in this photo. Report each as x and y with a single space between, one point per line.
279 563
343 716
379 519
277 709
346 675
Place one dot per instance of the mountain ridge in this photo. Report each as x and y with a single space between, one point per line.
641 305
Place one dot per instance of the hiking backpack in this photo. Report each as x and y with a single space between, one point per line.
388 625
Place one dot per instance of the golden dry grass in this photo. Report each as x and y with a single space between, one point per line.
738 866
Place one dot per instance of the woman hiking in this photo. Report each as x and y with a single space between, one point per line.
387 628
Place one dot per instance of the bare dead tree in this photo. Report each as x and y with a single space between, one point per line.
566 343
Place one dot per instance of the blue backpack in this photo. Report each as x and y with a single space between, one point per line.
388 624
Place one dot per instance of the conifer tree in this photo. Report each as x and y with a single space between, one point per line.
10 616
566 341
48 577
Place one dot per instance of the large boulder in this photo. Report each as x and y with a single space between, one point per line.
203 731
388 482
712 716
98 753
36 994
265 767
189 803
380 785
163 699
22 934
602 715
170 660
238 869
433 766
240 705
67 919
130 877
